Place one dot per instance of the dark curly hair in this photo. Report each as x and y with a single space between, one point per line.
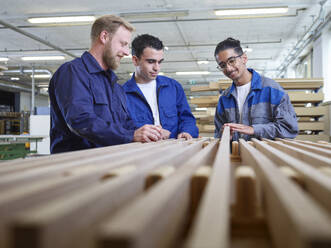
228 44
145 40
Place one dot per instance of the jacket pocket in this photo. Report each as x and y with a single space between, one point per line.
100 104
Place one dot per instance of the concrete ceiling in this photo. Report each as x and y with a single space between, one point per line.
189 38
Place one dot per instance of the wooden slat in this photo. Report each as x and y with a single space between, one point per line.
25 164
312 137
324 146
211 226
246 199
286 83
303 97
320 151
47 188
158 174
59 165
318 184
309 157
201 88
313 125
310 111
52 221
290 225
198 184
168 202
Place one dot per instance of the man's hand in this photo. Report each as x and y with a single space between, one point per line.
235 127
184 135
147 133
165 134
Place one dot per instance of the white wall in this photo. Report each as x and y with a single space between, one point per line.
322 61
25 101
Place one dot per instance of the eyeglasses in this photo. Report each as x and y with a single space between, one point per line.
229 62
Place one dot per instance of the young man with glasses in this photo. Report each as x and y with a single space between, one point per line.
254 106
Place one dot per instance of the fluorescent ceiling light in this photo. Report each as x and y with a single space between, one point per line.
251 11
3 59
154 14
41 76
37 58
14 78
61 19
192 72
203 62
201 109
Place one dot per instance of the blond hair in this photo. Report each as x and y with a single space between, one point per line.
109 23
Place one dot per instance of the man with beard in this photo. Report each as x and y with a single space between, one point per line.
88 106
254 106
154 99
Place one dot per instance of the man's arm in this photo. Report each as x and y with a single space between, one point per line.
75 100
285 123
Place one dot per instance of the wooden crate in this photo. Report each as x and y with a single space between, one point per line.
171 193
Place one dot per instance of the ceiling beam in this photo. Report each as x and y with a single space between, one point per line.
36 38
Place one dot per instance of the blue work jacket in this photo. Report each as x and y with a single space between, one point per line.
174 112
88 107
267 109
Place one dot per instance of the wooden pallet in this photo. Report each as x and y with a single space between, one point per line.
287 84
172 193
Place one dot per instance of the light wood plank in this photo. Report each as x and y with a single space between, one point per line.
318 184
58 222
168 202
319 150
290 225
308 157
313 125
310 111
211 225
303 97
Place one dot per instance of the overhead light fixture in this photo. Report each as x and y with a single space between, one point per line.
37 58
14 78
192 73
61 19
251 12
41 76
201 109
3 59
203 62
154 14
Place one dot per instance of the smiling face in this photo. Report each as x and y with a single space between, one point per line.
148 65
116 48
238 69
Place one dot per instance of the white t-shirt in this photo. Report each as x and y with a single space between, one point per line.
149 91
242 93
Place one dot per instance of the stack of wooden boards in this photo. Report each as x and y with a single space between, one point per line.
173 193
305 95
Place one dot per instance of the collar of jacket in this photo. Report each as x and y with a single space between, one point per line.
256 82
93 66
131 85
